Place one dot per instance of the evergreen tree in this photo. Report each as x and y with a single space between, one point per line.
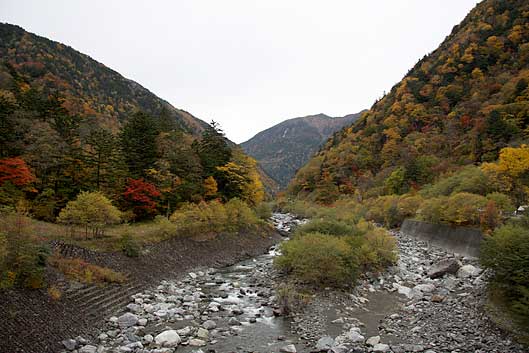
213 149
138 141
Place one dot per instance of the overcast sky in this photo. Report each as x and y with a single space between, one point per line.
250 64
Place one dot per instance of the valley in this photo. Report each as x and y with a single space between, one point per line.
128 225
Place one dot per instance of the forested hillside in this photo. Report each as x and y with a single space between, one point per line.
459 105
282 149
69 124
87 88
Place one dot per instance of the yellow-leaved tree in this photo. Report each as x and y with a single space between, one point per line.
210 187
511 172
239 178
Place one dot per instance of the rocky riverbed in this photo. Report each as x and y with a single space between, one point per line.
430 302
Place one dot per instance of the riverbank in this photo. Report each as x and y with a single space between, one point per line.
33 322
433 301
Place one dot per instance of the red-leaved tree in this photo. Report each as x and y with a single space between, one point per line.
141 195
16 171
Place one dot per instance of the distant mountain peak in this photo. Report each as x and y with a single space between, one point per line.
283 148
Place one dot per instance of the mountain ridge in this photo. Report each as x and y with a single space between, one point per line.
285 147
459 105
88 87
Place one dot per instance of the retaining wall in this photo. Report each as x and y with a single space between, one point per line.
462 240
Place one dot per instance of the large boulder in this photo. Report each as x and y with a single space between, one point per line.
324 344
443 267
127 320
468 271
169 338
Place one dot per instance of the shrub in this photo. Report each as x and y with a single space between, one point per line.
129 246
384 210
464 209
502 201
318 259
214 217
22 255
506 252
432 210
239 216
290 299
202 218
91 210
264 210
375 250
82 271
326 226
470 179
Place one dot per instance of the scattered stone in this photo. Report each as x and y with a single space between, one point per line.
373 341
444 267
169 338
290 348
88 349
127 320
209 324
436 298
195 342
202 333
381 347
468 271
324 344
69 344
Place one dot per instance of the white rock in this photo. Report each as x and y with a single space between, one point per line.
373 341
381 348
202 333
468 271
195 342
88 349
290 348
127 320
404 291
70 344
209 324
425 288
324 344
169 338
148 339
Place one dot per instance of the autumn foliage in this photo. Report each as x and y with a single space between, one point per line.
15 171
142 195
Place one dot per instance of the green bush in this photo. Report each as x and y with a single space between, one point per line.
290 299
432 210
326 226
502 201
470 179
239 216
22 255
506 252
464 209
214 217
202 218
264 210
318 259
129 246
376 249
